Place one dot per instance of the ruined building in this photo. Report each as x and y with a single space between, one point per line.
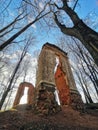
54 74
20 93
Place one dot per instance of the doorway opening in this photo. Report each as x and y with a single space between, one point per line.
23 99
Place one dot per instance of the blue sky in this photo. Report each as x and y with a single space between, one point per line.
84 7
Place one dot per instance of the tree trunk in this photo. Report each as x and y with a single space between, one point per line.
3 98
80 30
12 78
89 39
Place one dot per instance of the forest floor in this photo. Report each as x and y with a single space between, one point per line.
67 119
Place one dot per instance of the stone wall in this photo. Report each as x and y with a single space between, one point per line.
62 86
44 101
62 79
67 70
46 65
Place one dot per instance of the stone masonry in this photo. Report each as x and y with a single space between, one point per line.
62 86
52 76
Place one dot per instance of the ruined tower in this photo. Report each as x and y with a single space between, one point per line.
54 73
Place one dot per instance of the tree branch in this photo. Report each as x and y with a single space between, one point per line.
63 28
13 22
74 17
75 5
9 41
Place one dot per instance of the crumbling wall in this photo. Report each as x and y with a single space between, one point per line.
67 69
47 79
20 93
62 86
46 65
45 100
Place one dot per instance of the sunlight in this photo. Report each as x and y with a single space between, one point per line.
57 62
23 100
57 97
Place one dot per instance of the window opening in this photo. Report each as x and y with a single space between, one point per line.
56 91
57 96
23 99
57 63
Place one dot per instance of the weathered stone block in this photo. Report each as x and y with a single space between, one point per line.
45 102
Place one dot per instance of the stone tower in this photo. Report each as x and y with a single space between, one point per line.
54 73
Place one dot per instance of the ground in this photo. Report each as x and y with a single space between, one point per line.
67 119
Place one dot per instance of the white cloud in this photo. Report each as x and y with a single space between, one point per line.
28 64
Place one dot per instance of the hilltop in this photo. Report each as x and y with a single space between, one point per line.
23 118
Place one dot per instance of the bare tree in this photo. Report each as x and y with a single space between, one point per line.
39 16
87 36
84 68
86 71
83 85
15 71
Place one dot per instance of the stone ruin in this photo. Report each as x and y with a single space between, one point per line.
53 75
20 93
